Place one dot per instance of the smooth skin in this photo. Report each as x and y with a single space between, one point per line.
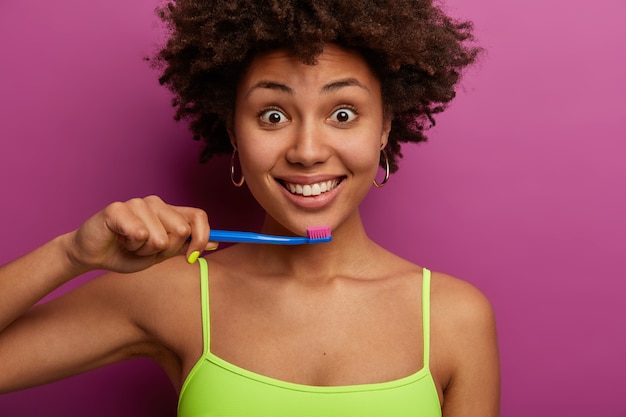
345 312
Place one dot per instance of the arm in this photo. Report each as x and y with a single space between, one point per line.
471 351
92 325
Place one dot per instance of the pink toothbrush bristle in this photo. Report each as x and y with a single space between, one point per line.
318 232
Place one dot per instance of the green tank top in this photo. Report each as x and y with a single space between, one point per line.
215 387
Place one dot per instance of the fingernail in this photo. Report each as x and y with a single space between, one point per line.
193 257
212 246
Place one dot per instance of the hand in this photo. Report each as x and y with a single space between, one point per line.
136 234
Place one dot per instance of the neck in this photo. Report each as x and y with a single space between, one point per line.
345 255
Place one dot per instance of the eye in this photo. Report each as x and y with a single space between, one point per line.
344 115
272 116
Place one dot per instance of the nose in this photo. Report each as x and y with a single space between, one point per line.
308 147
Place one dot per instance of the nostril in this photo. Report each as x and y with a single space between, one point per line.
309 150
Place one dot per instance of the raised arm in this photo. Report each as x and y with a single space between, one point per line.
124 237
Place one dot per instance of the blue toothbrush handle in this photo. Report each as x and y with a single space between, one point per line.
250 237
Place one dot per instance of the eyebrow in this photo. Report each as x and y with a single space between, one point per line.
346 82
270 85
330 87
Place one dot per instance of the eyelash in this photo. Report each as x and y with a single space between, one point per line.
265 111
352 109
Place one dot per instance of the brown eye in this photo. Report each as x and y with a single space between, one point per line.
273 117
343 115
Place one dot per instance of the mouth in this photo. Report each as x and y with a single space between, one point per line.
313 189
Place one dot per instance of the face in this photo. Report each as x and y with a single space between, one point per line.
309 137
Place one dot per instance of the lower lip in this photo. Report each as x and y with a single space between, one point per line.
312 202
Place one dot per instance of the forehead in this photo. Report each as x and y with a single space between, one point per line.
333 64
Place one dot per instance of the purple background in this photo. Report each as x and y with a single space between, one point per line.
520 190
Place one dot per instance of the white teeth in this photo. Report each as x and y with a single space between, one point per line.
308 190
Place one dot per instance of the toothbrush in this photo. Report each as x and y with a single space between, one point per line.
317 234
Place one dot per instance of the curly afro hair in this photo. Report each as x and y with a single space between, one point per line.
416 50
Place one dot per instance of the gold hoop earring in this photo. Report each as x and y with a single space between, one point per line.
386 158
232 171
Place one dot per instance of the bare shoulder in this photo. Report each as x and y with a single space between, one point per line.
161 284
167 292
464 347
462 318
164 301
459 302
159 300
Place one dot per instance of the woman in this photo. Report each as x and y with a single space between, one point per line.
310 98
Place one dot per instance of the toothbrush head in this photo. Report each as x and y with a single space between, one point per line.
318 234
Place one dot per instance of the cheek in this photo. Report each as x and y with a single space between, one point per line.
253 162
258 157
363 147
253 157
362 156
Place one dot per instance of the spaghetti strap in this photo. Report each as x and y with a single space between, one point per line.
426 315
204 294
215 386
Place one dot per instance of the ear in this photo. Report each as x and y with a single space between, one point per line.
384 135
232 136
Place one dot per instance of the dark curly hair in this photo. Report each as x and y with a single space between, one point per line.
416 50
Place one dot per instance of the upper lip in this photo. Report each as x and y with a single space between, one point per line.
304 180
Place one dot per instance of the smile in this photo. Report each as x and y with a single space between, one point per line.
314 189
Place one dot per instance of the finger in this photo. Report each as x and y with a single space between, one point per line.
151 238
211 245
130 229
178 228
199 231
187 229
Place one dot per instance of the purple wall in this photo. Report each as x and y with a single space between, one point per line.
521 190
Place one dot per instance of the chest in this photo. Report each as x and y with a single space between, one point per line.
339 335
